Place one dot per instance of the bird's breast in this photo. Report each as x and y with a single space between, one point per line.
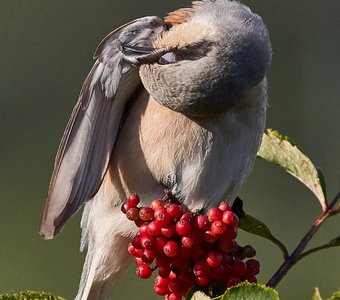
203 160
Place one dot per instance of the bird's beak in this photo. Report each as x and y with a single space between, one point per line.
142 55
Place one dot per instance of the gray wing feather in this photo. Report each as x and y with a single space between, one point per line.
90 134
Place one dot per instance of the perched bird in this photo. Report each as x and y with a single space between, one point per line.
176 103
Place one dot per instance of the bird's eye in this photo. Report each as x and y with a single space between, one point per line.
189 53
168 58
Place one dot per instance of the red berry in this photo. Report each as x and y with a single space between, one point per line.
187 216
159 244
227 260
138 252
239 268
148 256
139 222
174 296
215 214
146 213
138 261
186 252
161 291
230 218
217 272
154 228
162 259
249 251
175 211
201 268
187 279
188 241
214 258
224 206
162 282
164 270
210 237
136 242
124 207
251 278
202 222
199 236
144 271
172 275
175 285
159 211
162 216
183 227
218 227
226 245
168 231
133 200
238 255
147 242
132 214
133 251
178 263
253 266
198 253
143 229
231 232
202 281
156 203
234 280
227 270
171 249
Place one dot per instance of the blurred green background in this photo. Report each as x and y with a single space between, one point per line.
45 54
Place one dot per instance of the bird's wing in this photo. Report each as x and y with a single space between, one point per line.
90 135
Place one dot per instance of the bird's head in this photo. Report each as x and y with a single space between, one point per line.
213 54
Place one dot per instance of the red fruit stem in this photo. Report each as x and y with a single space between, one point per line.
295 256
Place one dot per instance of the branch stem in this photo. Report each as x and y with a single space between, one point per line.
297 254
294 257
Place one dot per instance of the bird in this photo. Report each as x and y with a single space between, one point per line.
176 102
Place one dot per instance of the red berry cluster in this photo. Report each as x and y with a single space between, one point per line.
188 248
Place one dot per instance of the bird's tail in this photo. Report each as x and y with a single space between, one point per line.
107 256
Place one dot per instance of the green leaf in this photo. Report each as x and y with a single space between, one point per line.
250 291
322 181
257 227
335 296
316 294
30 295
279 150
200 296
333 243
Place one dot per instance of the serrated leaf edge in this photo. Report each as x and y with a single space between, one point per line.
262 286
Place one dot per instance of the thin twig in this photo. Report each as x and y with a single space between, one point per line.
293 258
296 255
334 203
316 249
335 211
